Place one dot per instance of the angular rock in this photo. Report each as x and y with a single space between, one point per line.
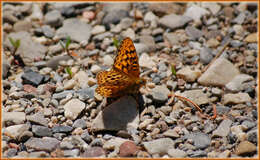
38 118
177 153
218 74
174 21
245 148
146 61
41 131
120 115
197 96
16 130
187 74
160 93
62 129
193 32
236 98
53 18
76 29
42 144
223 129
195 12
73 108
251 38
159 146
13 117
236 84
94 152
29 50
32 78
201 140
127 149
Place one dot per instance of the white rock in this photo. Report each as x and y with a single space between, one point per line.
73 108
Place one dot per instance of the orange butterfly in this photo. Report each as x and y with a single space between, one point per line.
123 78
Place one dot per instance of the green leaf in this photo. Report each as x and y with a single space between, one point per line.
115 42
173 69
12 41
68 70
67 42
62 45
17 43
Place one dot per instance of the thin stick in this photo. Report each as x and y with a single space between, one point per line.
194 104
218 54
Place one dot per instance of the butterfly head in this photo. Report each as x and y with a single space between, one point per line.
141 82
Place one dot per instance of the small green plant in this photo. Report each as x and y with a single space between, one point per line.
68 70
66 46
173 70
115 42
15 43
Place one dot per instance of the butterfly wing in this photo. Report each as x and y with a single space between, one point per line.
127 59
112 83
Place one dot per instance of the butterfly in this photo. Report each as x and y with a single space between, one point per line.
124 77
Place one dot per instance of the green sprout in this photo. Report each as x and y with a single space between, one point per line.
15 43
173 70
66 47
115 42
68 70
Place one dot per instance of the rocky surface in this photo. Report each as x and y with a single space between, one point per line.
50 108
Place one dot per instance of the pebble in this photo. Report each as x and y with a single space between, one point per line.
223 129
217 74
237 83
205 55
245 148
79 123
62 129
22 26
146 61
240 18
108 60
98 29
200 140
53 18
71 153
69 84
251 38
120 115
95 69
174 21
236 98
159 146
171 133
127 149
212 43
193 32
150 17
38 118
13 117
160 93
47 144
74 28
197 96
41 131
188 75
15 131
73 108
177 153
32 78
95 152
195 12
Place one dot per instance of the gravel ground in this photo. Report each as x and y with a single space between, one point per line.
50 108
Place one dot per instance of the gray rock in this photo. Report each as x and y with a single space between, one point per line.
28 50
240 18
188 75
218 74
193 32
16 130
222 110
11 152
32 78
197 96
53 18
223 129
62 95
236 98
174 21
112 17
71 153
38 118
160 94
86 93
48 31
120 115
79 123
208 127
177 153
22 26
201 140
62 129
74 28
39 154
73 108
5 66
54 61
195 12
237 83
13 117
150 17
9 17
146 61
42 144
172 38
94 152
199 153
159 146
41 131
205 55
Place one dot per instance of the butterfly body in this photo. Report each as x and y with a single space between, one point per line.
123 78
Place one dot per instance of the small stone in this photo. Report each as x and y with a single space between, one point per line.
94 152
236 98
197 96
245 148
112 17
159 146
98 29
174 21
16 130
79 123
201 140
73 108
127 149
71 153
213 43
22 26
150 16
237 83
177 153
192 53
146 61
160 93
41 131
205 55
224 154
42 144
53 18
62 129
240 18
108 60
95 69
120 115
239 30
32 78
38 118
195 12
69 84
251 38
216 91
171 133
193 32
223 129
217 74
13 117
188 75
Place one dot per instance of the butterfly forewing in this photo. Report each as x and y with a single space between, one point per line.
127 59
